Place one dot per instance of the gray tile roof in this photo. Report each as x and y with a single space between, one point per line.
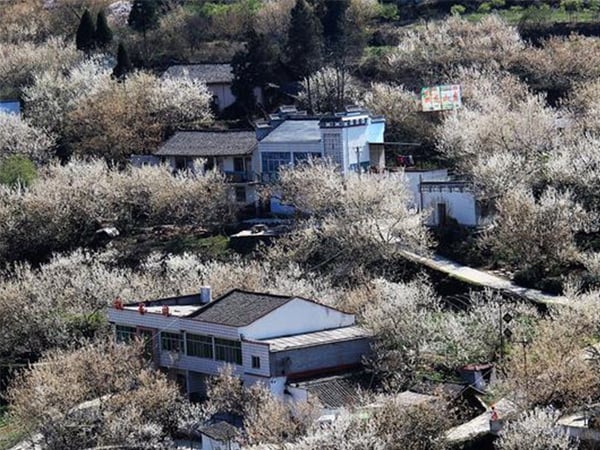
209 73
208 143
220 431
337 391
239 308
295 131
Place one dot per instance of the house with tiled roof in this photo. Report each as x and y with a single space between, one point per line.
218 79
272 339
229 152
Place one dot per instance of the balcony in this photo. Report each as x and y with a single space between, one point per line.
239 176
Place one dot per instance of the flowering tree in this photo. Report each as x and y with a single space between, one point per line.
329 88
355 220
535 430
19 62
19 137
63 208
98 395
425 53
131 117
531 232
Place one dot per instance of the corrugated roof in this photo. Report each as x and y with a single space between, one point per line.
337 391
295 131
316 338
239 308
208 143
209 73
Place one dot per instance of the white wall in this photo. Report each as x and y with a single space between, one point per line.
459 205
223 92
414 178
296 316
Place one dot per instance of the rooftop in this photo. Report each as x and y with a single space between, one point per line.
209 73
220 431
295 130
316 338
239 308
337 391
208 143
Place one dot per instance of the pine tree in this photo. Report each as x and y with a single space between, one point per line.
304 44
104 34
144 17
85 38
255 66
124 65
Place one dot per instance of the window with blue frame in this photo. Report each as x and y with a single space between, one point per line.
271 161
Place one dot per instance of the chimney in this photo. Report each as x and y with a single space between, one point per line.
205 295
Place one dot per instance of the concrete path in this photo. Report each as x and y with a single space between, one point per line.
482 278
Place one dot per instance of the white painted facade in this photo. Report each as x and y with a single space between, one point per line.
456 200
435 192
307 317
295 317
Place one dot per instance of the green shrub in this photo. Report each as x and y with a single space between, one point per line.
457 10
498 4
17 169
484 8
388 11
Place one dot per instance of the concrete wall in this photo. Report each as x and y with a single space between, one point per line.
322 357
459 205
295 317
414 178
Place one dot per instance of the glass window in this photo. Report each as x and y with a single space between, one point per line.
240 194
200 346
271 161
124 333
255 362
228 351
171 342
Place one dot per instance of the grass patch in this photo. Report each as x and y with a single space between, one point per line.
514 16
10 434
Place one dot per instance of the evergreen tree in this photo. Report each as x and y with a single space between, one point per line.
124 65
255 66
304 44
85 38
104 34
144 17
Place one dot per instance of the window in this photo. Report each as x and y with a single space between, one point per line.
171 342
148 339
255 362
200 346
228 351
240 194
125 334
273 160
238 164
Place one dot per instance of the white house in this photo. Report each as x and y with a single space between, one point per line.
218 79
267 338
353 139
434 190
230 152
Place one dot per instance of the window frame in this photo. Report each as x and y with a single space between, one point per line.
255 362
125 330
227 350
194 341
171 342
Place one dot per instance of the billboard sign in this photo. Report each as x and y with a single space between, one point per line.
441 98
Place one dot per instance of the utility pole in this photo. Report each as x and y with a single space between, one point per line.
358 160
